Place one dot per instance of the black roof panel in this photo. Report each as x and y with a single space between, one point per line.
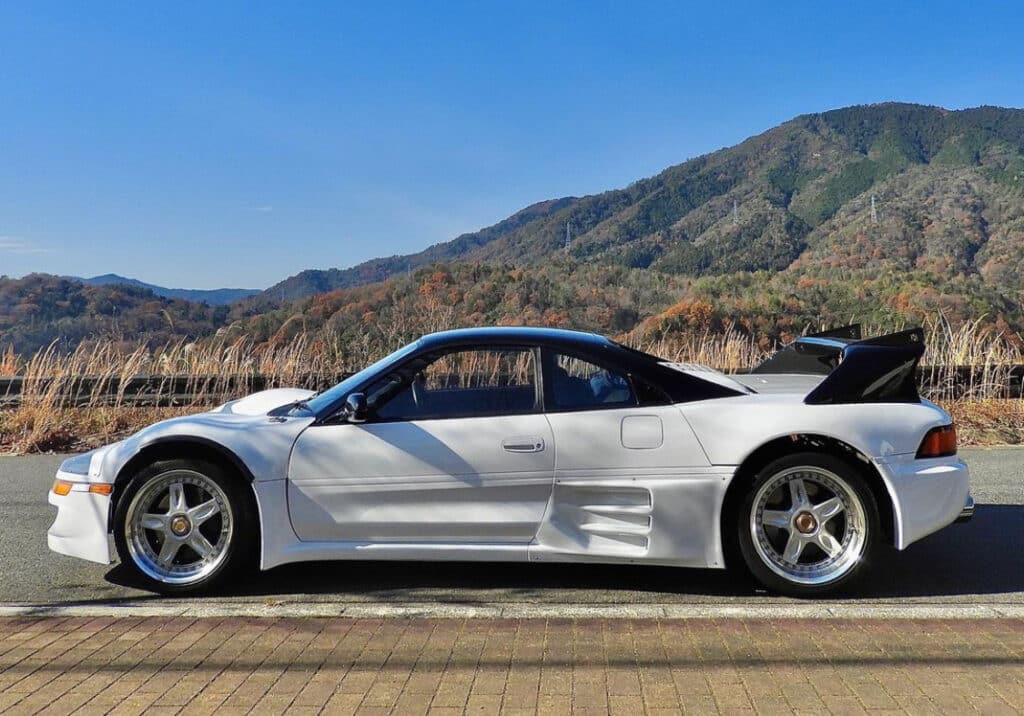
514 334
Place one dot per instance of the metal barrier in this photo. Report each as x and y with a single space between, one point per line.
182 390
146 390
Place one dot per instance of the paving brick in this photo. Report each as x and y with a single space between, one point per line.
410 666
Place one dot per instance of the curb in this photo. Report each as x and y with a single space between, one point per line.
431 610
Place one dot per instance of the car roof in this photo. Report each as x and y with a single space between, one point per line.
495 335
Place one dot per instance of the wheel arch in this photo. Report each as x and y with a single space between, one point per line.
794 443
171 447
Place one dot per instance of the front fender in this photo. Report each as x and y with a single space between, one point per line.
258 446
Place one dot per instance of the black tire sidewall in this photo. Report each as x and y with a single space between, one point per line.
850 474
240 550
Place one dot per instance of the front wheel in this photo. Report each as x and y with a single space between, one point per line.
183 526
808 525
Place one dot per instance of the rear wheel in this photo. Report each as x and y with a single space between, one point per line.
808 525
184 526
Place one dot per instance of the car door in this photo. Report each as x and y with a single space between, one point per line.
455 450
631 479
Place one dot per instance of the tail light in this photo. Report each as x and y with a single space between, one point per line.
939 442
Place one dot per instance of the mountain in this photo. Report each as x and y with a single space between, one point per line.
891 213
802 189
314 281
39 309
213 296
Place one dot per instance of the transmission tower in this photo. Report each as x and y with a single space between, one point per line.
568 236
735 213
874 211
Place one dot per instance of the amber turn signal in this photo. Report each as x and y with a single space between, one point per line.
939 442
63 487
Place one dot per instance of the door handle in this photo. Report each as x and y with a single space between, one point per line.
523 444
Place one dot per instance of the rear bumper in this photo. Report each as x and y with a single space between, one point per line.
927 494
80 528
967 513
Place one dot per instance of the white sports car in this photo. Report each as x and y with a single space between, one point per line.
526 444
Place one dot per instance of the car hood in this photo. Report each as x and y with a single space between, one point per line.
263 402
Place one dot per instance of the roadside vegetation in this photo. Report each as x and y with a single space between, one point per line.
968 370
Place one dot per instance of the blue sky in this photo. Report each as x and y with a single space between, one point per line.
234 144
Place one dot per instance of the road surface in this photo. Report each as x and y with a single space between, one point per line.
981 562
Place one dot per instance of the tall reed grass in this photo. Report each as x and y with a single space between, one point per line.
57 410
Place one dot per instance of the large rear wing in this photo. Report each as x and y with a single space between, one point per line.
873 370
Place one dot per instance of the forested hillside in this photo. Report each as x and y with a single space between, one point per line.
802 188
39 309
314 281
212 296
889 214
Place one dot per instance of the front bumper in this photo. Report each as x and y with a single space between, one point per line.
927 494
80 528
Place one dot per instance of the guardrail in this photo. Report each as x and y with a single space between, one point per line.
146 390
183 390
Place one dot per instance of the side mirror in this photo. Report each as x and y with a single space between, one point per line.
355 408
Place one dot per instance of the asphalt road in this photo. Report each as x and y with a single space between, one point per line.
981 562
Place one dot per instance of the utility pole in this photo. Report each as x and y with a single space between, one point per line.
874 211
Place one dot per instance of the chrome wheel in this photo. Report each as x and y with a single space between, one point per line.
179 526
808 525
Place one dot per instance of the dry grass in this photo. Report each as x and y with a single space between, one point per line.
987 421
218 370
58 411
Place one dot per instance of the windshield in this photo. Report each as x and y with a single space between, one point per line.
321 401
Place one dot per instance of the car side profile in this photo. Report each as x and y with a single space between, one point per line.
540 445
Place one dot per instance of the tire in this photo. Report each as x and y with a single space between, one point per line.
185 527
808 525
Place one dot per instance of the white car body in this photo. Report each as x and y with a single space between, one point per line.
645 483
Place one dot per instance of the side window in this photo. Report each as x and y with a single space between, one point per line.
577 384
465 383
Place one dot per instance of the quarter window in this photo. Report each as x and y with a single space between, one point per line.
466 383
578 384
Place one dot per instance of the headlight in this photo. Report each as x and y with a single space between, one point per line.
79 464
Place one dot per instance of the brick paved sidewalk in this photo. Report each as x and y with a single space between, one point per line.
338 666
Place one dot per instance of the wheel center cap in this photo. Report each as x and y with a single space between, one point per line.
805 523
180 525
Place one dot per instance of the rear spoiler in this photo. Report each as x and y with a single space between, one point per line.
878 370
813 354
851 332
881 369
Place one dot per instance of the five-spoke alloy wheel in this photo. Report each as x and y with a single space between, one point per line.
808 524
181 525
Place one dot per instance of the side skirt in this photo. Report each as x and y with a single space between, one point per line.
678 521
